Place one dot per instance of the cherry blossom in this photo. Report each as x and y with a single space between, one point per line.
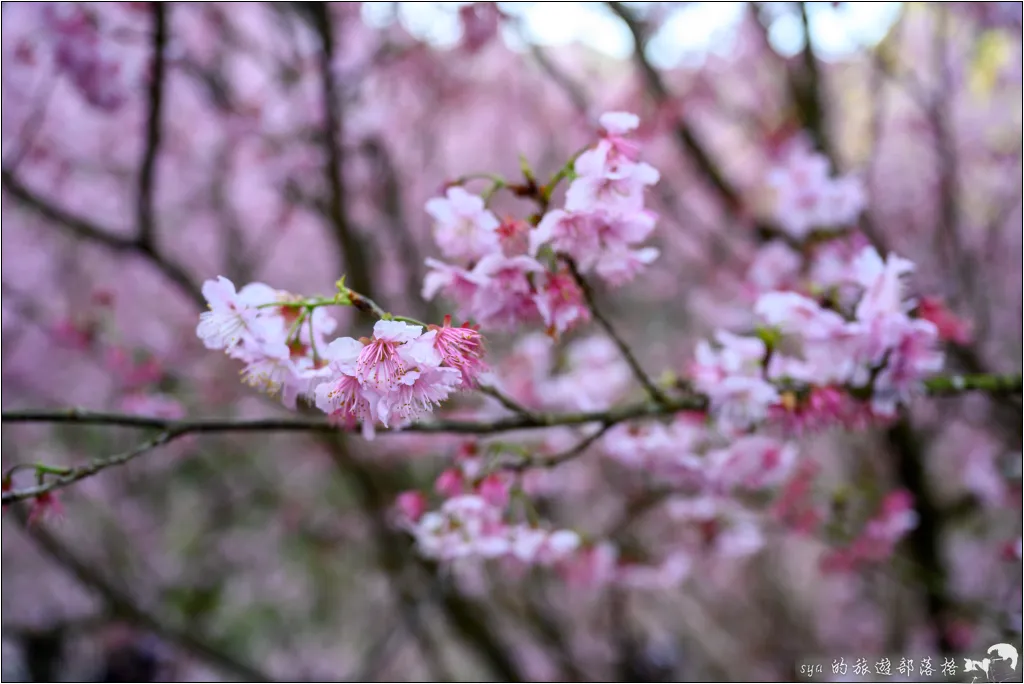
464 230
808 199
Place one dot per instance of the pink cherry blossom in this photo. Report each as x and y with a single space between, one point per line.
619 123
590 567
754 462
594 377
494 489
881 279
461 348
46 507
458 284
608 183
876 542
808 199
464 229
619 266
795 313
382 362
776 267
343 396
949 326
410 506
505 298
229 317
422 388
449 483
560 303
739 402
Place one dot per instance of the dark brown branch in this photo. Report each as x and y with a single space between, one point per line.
87 230
588 294
684 135
505 400
124 606
807 93
390 187
173 429
146 222
925 540
563 456
354 260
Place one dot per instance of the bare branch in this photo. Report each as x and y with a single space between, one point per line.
652 390
505 400
354 259
684 135
124 606
87 230
807 92
146 223
564 456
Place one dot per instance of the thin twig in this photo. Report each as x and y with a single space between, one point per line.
564 456
588 294
505 400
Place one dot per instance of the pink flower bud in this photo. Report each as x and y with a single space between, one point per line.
411 505
449 483
46 506
494 490
950 326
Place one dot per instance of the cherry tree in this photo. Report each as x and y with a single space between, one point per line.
593 369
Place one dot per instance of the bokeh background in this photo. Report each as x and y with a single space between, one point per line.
299 142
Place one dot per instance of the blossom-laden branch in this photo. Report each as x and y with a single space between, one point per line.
173 429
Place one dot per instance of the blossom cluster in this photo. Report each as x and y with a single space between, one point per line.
393 378
837 340
475 519
871 344
808 198
504 278
469 525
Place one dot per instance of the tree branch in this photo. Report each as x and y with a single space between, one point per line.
807 92
146 223
684 136
124 606
354 260
173 429
588 294
505 400
82 228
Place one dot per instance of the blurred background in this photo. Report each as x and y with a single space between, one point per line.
297 142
